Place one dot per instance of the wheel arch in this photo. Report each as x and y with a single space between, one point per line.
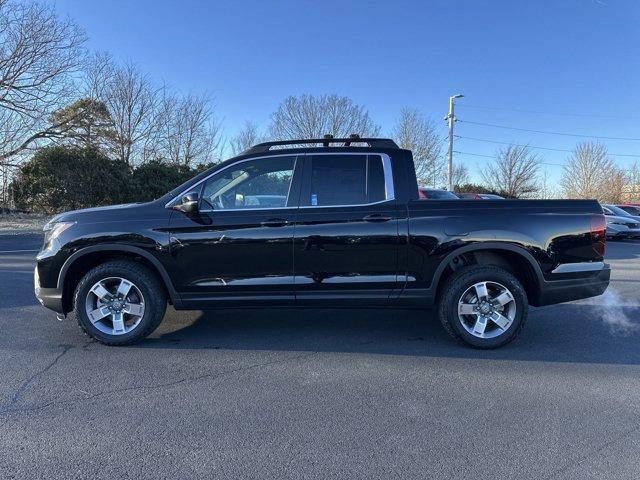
516 260
85 259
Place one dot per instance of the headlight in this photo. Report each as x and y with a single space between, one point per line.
53 230
619 223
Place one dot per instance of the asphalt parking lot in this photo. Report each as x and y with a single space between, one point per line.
321 393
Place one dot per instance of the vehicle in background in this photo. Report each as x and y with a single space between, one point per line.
324 223
619 212
630 209
479 196
620 224
436 194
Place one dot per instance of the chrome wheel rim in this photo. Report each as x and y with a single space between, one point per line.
487 309
115 306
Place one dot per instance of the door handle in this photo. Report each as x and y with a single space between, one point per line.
376 217
275 222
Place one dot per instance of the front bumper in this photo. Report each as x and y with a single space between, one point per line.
48 297
575 285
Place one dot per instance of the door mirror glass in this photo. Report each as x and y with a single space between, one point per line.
188 203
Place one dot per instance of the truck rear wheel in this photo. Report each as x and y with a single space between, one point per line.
484 306
119 302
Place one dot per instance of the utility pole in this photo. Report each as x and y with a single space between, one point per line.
451 118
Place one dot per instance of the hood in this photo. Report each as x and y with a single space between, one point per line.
99 213
623 220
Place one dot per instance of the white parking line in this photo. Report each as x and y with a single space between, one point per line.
17 251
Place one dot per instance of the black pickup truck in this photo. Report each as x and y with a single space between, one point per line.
326 223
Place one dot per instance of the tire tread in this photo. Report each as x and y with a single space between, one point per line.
465 275
137 271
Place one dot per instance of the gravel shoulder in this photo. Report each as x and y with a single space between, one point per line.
21 223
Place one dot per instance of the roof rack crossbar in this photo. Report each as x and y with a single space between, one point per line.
326 142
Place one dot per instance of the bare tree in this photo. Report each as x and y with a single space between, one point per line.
613 186
312 117
513 172
39 53
186 131
632 187
247 137
132 101
148 121
546 190
589 172
460 174
416 133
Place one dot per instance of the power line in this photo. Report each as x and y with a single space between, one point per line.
547 132
493 157
538 112
537 147
474 154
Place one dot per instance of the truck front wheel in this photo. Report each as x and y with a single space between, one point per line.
484 306
119 302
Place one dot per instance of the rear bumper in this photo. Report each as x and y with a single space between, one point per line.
48 297
576 285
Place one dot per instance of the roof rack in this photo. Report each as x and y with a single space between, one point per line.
327 141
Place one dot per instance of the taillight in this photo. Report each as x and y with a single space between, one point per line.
599 234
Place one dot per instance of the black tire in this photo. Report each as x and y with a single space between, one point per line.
458 283
145 280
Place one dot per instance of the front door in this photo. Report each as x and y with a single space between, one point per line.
346 237
239 246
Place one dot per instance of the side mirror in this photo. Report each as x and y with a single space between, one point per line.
188 203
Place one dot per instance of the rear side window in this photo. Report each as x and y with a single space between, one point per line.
375 179
346 180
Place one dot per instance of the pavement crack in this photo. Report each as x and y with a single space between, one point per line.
27 382
158 386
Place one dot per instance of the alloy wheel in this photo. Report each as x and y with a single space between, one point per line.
487 309
115 305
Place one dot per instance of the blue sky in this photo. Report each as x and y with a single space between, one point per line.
578 57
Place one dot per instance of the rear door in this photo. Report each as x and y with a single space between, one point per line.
346 235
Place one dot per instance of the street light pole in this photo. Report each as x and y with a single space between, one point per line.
451 119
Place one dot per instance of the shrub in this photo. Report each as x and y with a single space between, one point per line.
60 178
63 178
155 178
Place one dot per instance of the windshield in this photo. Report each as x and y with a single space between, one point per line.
618 211
439 194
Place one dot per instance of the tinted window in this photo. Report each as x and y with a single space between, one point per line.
346 180
618 211
261 183
375 180
631 210
439 195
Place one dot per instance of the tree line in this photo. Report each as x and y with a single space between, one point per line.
63 105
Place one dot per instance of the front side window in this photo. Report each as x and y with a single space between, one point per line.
260 183
346 180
